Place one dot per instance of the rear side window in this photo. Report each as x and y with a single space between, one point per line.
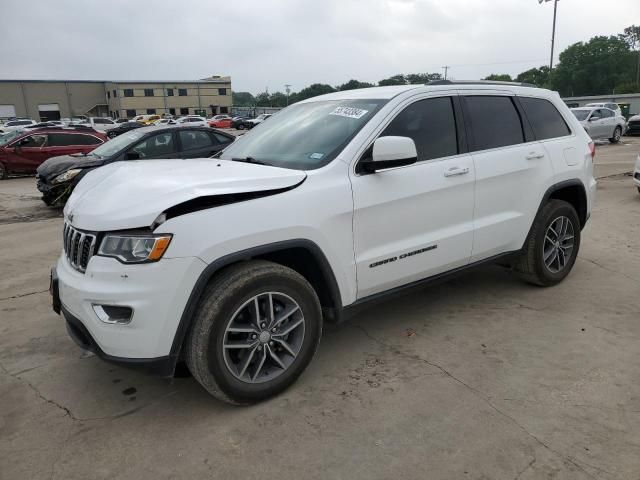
544 118
432 126
606 113
495 122
66 139
192 139
222 138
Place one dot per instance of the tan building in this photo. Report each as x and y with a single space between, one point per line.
55 99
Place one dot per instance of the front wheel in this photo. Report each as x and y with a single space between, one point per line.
240 127
4 173
552 246
111 135
617 133
256 329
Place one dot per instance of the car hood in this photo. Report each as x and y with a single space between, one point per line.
54 166
634 118
132 194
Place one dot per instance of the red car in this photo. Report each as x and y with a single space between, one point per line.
23 151
221 122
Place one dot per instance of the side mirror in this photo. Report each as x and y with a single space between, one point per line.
132 156
390 152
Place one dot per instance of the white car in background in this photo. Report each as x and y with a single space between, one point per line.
601 123
97 123
636 174
192 121
610 105
164 121
13 125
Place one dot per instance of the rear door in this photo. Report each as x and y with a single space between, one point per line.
511 171
197 143
597 124
416 221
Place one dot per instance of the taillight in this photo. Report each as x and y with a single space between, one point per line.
592 150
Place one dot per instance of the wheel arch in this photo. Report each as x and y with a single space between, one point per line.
301 255
572 192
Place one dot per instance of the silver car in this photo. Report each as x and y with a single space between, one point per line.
601 123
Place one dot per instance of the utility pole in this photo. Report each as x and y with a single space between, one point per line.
446 69
287 88
553 31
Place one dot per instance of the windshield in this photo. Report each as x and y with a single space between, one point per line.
305 136
581 114
7 137
115 145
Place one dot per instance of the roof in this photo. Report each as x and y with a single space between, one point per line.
386 93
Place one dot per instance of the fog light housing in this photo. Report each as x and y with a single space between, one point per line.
114 314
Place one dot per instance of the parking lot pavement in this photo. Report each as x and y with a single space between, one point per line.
481 377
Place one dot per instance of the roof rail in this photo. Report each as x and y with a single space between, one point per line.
479 82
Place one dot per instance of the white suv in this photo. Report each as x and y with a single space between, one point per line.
232 263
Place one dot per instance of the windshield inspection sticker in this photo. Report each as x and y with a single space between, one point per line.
349 112
316 156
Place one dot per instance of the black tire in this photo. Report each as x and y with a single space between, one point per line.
4 173
224 296
241 127
111 135
531 264
617 133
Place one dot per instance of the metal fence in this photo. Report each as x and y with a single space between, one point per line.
253 111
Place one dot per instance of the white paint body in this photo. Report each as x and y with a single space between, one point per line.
472 206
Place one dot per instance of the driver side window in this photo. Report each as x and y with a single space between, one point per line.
33 141
432 126
155 146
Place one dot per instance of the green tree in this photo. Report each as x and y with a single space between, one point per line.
278 99
499 77
395 80
422 78
631 37
353 84
262 100
536 76
312 91
242 99
594 67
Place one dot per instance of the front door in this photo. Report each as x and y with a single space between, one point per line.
416 221
27 153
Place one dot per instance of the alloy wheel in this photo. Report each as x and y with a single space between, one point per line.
263 337
558 244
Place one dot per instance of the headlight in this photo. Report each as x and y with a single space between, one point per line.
66 176
134 248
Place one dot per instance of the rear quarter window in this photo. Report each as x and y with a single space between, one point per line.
544 118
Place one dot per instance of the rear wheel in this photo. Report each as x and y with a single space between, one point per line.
617 133
256 330
552 245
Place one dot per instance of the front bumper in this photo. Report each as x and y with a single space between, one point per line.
156 292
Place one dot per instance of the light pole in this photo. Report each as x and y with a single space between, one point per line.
553 32
287 88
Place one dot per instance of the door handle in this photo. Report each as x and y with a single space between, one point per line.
456 171
534 156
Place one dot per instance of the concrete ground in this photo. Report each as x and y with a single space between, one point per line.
483 377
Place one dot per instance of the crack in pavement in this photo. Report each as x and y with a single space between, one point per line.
529 465
484 398
70 414
20 295
608 269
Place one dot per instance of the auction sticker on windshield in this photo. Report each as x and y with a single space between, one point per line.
349 112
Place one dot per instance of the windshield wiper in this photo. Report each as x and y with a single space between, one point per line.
250 160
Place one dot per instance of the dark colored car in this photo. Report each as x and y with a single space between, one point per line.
57 177
24 151
123 127
633 125
238 120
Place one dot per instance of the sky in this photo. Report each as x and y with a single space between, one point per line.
269 43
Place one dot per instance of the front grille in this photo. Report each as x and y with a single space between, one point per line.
78 246
636 175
